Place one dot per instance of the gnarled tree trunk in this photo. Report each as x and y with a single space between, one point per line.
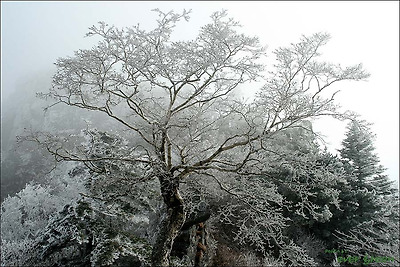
171 223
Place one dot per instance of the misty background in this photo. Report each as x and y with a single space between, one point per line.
35 34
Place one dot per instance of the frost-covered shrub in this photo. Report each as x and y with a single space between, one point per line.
120 248
80 236
313 246
28 212
13 253
25 215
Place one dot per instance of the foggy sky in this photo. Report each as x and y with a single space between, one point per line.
35 34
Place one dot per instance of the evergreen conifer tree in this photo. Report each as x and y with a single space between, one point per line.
371 226
368 180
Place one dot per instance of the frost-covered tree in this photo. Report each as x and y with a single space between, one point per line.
358 150
367 181
309 181
370 202
303 176
175 100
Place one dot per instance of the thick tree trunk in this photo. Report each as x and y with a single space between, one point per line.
171 223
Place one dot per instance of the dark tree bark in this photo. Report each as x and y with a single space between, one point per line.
172 222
